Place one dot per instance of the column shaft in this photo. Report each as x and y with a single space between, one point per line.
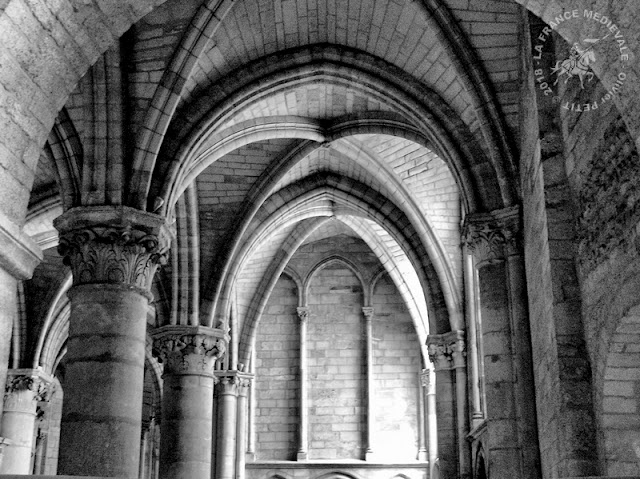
227 433
241 427
368 317
469 280
422 416
101 417
24 388
185 437
432 423
18 421
303 437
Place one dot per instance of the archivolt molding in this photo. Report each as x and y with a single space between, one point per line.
66 149
342 197
345 262
168 94
396 191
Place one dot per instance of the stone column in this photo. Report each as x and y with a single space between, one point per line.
113 253
429 387
510 400
447 352
19 255
227 397
477 415
368 317
423 427
303 436
251 433
189 354
244 384
23 390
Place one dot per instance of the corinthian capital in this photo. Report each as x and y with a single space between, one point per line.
493 236
25 387
114 245
189 349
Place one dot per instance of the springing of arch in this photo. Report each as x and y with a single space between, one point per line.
295 277
65 148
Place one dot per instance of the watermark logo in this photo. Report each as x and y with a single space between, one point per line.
582 55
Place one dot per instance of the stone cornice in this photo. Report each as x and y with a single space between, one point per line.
19 254
189 349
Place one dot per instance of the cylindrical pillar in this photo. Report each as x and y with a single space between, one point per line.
422 416
228 391
470 288
432 420
24 388
102 409
244 385
303 436
113 253
458 352
368 324
447 352
189 354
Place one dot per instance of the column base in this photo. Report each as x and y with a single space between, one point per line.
302 456
250 457
369 456
422 455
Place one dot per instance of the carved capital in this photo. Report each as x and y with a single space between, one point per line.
189 349
233 383
303 313
493 236
426 381
368 313
425 378
114 245
447 350
25 388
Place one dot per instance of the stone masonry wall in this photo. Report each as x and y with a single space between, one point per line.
337 363
396 353
337 402
277 383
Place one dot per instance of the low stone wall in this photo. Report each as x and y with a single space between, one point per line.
335 470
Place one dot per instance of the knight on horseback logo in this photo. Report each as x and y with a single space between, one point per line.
582 56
